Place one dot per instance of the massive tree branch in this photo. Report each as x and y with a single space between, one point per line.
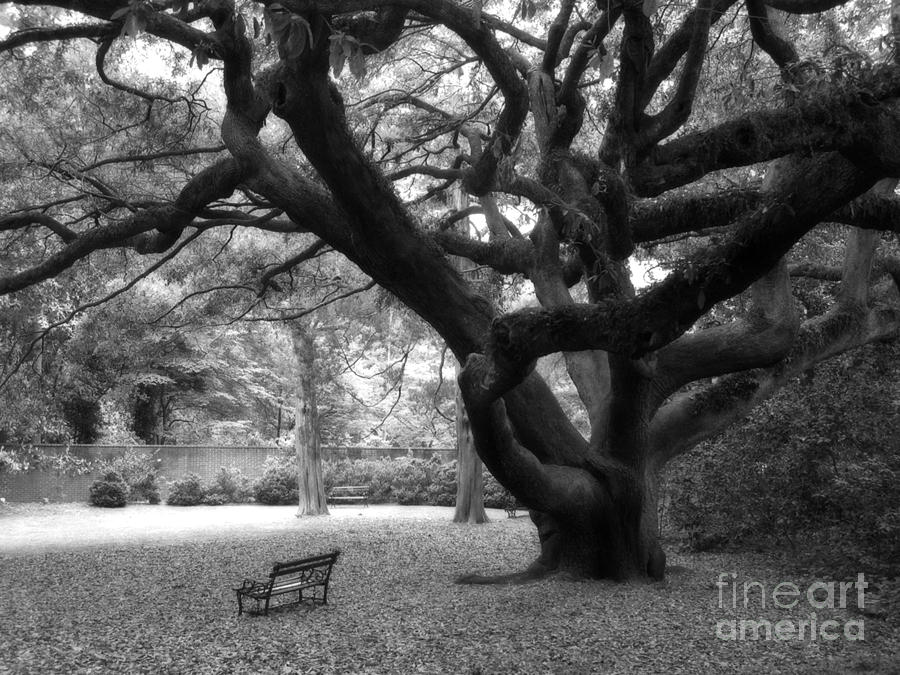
56 33
805 6
693 416
781 51
863 124
668 309
762 337
678 213
508 256
555 35
667 57
152 230
697 415
591 41
691 212
589 371
635 54
549 488
679 107
22 220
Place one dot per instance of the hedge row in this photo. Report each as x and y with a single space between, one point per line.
401 481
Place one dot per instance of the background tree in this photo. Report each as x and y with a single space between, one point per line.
308 440
589 147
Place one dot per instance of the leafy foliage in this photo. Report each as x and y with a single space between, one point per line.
110 491
232 484
214 499
28 458
186 491
406 480
278 484
138 471
816 465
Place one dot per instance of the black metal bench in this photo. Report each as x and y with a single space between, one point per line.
303 577
349 493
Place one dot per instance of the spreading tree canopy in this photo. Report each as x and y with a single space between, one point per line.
578 136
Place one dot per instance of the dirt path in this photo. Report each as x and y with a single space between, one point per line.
29 528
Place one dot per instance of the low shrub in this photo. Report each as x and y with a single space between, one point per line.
278 484
187 491
214 499
138 471
409 481
109 491
233 485
145 489
229 485
442 490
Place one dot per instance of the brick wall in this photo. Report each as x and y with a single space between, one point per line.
173 461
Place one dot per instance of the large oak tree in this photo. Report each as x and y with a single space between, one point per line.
584 114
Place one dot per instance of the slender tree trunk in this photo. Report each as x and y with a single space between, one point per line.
309 451
469 477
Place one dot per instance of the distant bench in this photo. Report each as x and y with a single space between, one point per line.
349 493
511 505
293 576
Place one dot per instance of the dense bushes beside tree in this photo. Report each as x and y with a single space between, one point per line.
278 484
817 465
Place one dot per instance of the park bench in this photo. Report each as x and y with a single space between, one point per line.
303 577
349 493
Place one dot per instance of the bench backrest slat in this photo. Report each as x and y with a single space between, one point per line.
295 566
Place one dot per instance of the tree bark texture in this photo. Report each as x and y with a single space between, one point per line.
309 451
469 478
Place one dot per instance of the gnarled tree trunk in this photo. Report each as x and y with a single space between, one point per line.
594 500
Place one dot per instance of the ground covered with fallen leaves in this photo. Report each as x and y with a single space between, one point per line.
161 601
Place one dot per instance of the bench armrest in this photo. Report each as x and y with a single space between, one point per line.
253 585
